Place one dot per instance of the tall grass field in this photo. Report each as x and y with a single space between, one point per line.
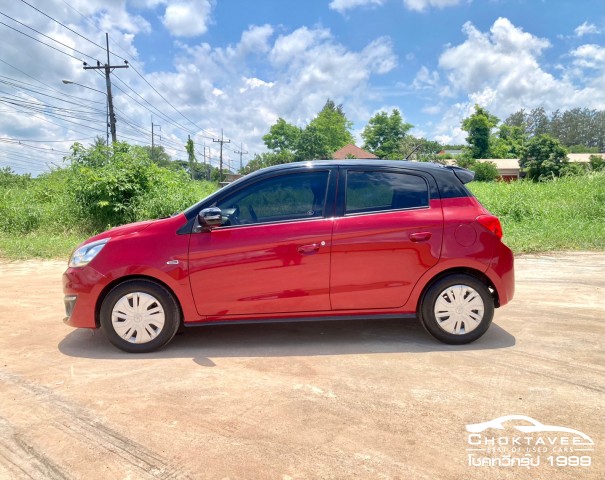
566 213
41 217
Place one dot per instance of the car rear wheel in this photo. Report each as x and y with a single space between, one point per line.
457 309
139 316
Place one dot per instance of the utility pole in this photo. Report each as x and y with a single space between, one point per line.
241 152
153 136
208 169
107 67
221 141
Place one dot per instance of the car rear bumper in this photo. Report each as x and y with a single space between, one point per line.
501 272
82 286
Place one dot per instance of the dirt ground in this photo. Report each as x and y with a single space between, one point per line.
367 400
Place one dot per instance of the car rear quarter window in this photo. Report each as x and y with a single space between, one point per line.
377 191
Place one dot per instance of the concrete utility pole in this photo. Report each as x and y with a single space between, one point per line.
241 152
107 67
208 169
221 141
153 135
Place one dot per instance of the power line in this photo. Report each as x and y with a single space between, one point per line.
44 141
19 85
44 35
204 133
40 41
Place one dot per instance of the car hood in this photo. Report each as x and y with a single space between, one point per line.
122 230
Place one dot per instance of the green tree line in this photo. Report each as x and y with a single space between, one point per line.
541 142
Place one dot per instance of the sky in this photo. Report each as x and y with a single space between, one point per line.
206 68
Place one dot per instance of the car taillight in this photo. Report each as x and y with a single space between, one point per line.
491 223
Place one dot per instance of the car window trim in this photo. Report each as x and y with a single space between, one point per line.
329 203
342 192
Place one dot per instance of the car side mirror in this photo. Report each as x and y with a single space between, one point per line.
210 218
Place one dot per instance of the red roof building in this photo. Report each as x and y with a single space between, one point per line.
351 151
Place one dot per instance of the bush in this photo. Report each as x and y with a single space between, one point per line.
485 171
121 184
597 163
171 192
543 158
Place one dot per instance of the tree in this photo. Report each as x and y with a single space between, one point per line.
508 143
420 149
543 157
384 133
282 136
479 127
332 123
312 144
190 149
537 122
158 155
267 160
581 128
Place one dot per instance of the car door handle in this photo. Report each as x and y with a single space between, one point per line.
311 248
420 236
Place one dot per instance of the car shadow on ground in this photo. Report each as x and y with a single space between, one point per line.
287 339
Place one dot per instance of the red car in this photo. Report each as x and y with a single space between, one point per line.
320 240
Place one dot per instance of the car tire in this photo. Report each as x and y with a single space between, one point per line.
139 316
457 309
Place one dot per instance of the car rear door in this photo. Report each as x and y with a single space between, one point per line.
388 233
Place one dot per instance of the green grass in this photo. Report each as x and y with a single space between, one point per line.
39 244
564 214
39 220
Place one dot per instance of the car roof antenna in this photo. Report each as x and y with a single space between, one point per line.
413 150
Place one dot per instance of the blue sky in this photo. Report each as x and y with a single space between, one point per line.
239 65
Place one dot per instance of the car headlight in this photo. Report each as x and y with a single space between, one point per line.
84 255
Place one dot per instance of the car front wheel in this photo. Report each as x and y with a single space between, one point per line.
139 316
457 309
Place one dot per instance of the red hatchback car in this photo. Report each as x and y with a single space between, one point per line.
318 240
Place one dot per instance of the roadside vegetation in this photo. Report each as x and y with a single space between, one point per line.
49 215
567 213
558 206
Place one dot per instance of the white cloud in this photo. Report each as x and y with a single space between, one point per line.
431 109
425 79
344 5
299 71
586 29
589 56
421 5
256 39
188 18
504 60
502 71
252 83
415 5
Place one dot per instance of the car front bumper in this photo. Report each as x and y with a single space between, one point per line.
82 287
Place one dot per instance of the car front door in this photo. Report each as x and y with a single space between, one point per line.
388 234
272 253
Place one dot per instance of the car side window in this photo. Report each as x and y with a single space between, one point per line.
377 191
293 196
